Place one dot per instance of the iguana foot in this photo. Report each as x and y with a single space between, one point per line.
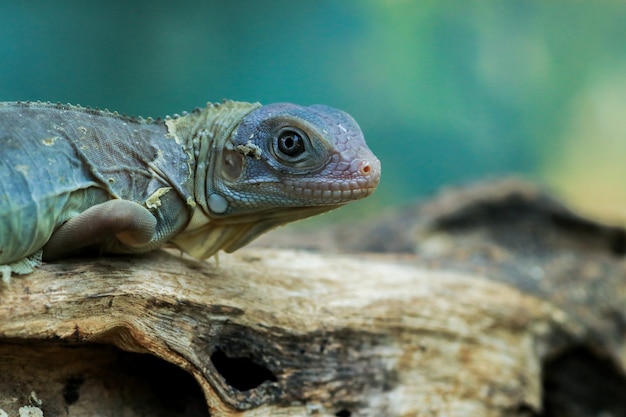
130 223
22 267
5 270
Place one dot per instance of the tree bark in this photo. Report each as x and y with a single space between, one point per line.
467 325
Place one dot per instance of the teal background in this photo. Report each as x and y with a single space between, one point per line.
446 92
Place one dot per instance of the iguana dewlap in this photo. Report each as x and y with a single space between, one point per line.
73 178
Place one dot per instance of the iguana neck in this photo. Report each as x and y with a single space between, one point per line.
203 134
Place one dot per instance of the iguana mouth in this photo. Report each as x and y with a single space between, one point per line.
326 194
361 183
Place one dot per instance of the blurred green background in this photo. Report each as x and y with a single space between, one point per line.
446 92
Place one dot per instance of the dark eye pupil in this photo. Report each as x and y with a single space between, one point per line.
290 143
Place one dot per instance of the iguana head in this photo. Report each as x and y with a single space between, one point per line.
280 163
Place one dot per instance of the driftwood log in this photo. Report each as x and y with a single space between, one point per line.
489 301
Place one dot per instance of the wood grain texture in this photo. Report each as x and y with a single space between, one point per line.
371 337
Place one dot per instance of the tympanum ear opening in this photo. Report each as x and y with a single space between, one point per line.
232 164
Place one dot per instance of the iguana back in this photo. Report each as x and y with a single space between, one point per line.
57 161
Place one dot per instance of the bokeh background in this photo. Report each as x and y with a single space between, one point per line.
446 92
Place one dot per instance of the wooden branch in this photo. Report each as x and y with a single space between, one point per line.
370 337
294 333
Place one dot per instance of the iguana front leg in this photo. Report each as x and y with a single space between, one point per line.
130 223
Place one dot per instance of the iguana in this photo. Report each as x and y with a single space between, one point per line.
75 179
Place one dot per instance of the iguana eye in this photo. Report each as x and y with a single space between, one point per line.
290 143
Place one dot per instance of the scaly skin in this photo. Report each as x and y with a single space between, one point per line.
75 179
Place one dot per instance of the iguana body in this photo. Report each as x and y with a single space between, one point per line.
73 178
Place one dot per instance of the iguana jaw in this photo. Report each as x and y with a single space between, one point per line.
205 236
